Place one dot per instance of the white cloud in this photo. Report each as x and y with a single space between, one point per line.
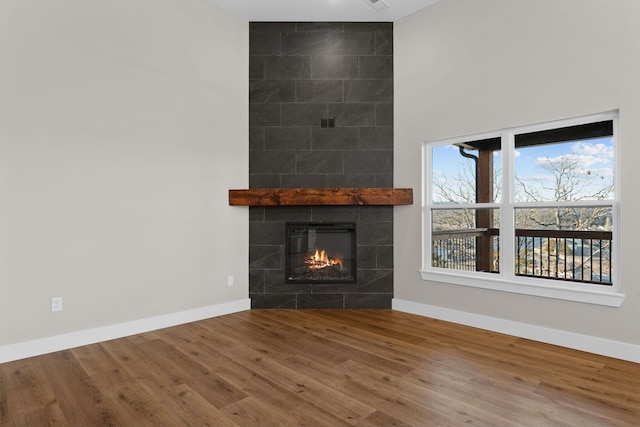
600 151
584 155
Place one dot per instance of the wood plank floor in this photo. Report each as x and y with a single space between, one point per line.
320 368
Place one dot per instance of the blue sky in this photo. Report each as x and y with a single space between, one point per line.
592 164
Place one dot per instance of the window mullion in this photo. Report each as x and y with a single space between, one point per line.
507 220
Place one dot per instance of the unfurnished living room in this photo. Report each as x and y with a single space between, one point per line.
319 212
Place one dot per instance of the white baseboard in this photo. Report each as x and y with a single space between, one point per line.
41 346
609 348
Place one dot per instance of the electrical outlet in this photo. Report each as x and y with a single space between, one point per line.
56 304
229 280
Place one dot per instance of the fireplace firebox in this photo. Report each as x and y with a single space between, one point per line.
320 253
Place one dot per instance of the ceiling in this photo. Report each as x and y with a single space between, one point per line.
320 10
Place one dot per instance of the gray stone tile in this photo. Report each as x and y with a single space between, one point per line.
329 53
334 288
353 114
319 91
287 67
368 26
376 213
256 213
272 301
375 281
288 213
272 27
272 162
274 283
304 181
303 114
288 138
384 257
368 90
375 233
319 26
367 257
351 181
264 180
368 162
266 233
256 138
384 114
335 213
334 139
368 301
264 43
256 68
375 67
256 281
266 257
334 67
376 138
384 42
304 43
327 301
264 114
351 43
384 181
321 162
272 91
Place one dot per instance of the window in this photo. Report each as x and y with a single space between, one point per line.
529 210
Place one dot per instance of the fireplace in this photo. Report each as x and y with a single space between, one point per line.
299 74
319 253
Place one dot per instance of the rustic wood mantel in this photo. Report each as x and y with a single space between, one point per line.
321 197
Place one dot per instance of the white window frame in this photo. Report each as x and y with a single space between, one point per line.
506 280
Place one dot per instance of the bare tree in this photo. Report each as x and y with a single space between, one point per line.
461 189
566 181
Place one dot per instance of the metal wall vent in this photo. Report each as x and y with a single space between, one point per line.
378 5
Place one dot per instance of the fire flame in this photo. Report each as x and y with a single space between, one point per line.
320 259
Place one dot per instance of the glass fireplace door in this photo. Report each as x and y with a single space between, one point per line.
321 253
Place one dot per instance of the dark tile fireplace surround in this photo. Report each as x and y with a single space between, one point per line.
300 74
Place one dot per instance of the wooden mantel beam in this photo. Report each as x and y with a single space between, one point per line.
321 196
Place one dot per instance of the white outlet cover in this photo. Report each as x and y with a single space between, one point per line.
56 304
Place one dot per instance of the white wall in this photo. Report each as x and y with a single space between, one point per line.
123 124
465 66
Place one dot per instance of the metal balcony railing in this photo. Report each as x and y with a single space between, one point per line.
575 256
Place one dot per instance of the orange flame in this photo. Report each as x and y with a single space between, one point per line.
320 259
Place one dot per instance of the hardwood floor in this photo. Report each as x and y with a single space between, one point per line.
320 368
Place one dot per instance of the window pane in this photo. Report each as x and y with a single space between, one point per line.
466 239
572 244
563 171
467 173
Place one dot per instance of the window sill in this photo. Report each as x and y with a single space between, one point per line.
499 283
